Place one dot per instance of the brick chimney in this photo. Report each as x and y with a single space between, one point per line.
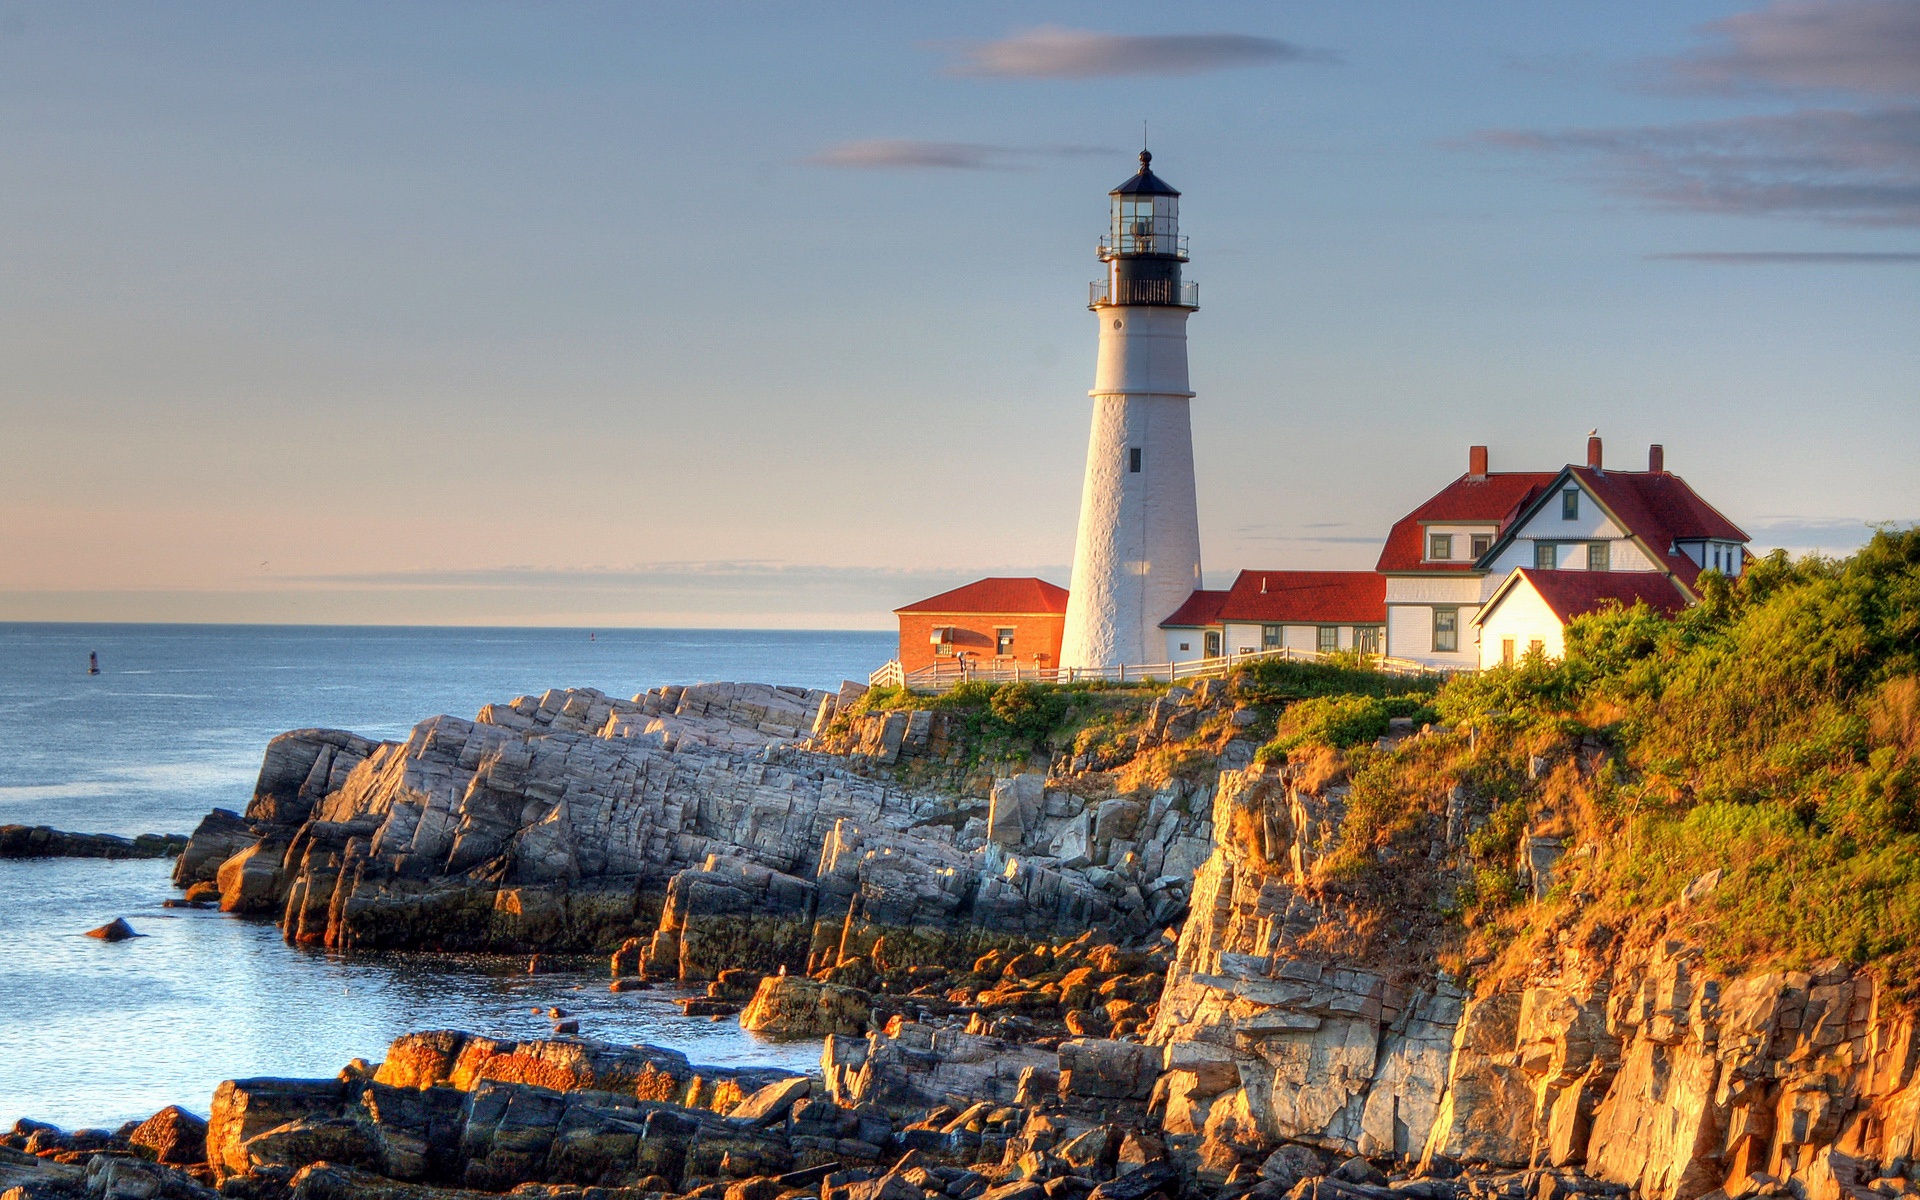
1593 451
1476 462
1656 458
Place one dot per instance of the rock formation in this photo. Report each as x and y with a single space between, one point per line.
988 961
687 819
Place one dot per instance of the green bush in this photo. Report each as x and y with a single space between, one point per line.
1341 722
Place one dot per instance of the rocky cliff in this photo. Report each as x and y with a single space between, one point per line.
689 821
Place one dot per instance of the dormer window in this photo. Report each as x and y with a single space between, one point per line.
1570 504
1440 545
1482 542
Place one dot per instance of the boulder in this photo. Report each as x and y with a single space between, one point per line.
174 1135
245 1108
1138 1184
116 930
770 1103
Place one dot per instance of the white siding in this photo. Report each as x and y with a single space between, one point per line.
1525 618
1463 587
1195 641
1410 635
1242 638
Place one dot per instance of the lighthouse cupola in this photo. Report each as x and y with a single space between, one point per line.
1143 248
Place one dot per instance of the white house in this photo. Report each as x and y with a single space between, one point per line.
1269 610
1445 560
1531 608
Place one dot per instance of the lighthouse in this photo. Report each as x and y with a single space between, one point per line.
1137 555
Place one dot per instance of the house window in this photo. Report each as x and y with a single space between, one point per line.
1184 647
1506 652
1439 545
1329 639
1599 556
1482 542
1213 644
1133 460
1545 556
1003 641
1270 637
1536 646
1570 504
1446 630
1366 639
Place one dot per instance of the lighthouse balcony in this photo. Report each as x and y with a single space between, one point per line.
1126 245
1169 293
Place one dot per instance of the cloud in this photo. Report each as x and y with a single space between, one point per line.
1863 46
1790 257
904 154
1052 52
1832 165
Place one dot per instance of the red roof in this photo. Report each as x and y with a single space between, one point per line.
1493 499
1660 509
1306 598
1000 595
1572 593
1202 608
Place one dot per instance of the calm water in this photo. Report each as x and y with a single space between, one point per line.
175 725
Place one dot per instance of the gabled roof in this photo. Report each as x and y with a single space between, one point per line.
1144 182
1024 595
1306 598
1655 508
1201 609
1574 593
1490 499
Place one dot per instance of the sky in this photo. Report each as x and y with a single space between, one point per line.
731 314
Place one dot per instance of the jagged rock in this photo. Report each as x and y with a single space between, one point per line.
175 1136
246 1108
1017 805
921 1066
220 835
1138 1184
796 1006
116 930
731 912
771 1102
1292 1163
1331 1054
251 881
1096 1067
40 841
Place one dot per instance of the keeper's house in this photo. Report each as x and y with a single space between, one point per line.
990 621
1447 561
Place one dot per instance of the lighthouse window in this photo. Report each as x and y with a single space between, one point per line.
1133 460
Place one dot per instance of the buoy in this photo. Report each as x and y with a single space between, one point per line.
93 662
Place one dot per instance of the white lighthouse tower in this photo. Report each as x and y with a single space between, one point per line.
1137 556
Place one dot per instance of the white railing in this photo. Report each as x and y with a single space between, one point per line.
944 676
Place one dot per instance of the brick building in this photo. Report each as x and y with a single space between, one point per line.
1004 620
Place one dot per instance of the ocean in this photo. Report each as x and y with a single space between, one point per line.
173 726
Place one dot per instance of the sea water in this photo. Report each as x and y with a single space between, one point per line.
174 725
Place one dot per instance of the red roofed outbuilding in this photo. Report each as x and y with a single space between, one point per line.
1268 610
1004 620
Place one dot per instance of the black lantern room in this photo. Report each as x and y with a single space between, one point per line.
1143 250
